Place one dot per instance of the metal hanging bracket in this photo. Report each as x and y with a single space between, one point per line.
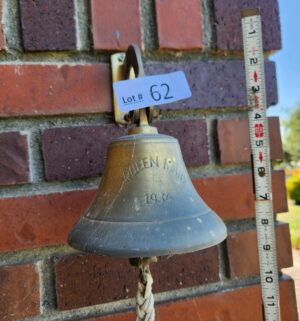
117 68
129 65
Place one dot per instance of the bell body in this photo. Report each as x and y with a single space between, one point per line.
146 204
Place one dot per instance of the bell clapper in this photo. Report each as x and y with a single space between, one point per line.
144 297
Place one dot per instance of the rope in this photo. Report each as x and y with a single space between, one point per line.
144 297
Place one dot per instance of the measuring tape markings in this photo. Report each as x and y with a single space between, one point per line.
259 138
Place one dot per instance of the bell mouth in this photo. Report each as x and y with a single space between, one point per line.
123 239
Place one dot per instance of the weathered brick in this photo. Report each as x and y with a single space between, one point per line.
20 295
246 242
116 24
88 280
192 137
40 220
69 89
236 304
234 140
228 23
215 84
54 89
85 147
231 197
2 37
48 25
239 304
91 279
288 304
179 24
183 271
14 160
47 219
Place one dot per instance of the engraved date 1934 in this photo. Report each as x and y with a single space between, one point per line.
157 198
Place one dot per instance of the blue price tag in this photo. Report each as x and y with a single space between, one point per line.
151 90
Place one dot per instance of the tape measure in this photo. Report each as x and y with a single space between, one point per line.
259 138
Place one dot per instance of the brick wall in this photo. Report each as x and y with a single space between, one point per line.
56 123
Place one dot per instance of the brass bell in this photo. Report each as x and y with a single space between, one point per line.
146 204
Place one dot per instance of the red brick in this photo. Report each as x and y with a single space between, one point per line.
246 242
242 304
54 89
288 303
40 219
179 24
76 89
231 197
14 160
20 295
116 24
91 279
88 280
2 37
234 140
187 270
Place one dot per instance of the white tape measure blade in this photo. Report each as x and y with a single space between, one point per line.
261 166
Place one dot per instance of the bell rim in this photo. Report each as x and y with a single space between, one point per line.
86 241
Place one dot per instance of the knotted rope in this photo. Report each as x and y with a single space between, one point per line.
144 297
